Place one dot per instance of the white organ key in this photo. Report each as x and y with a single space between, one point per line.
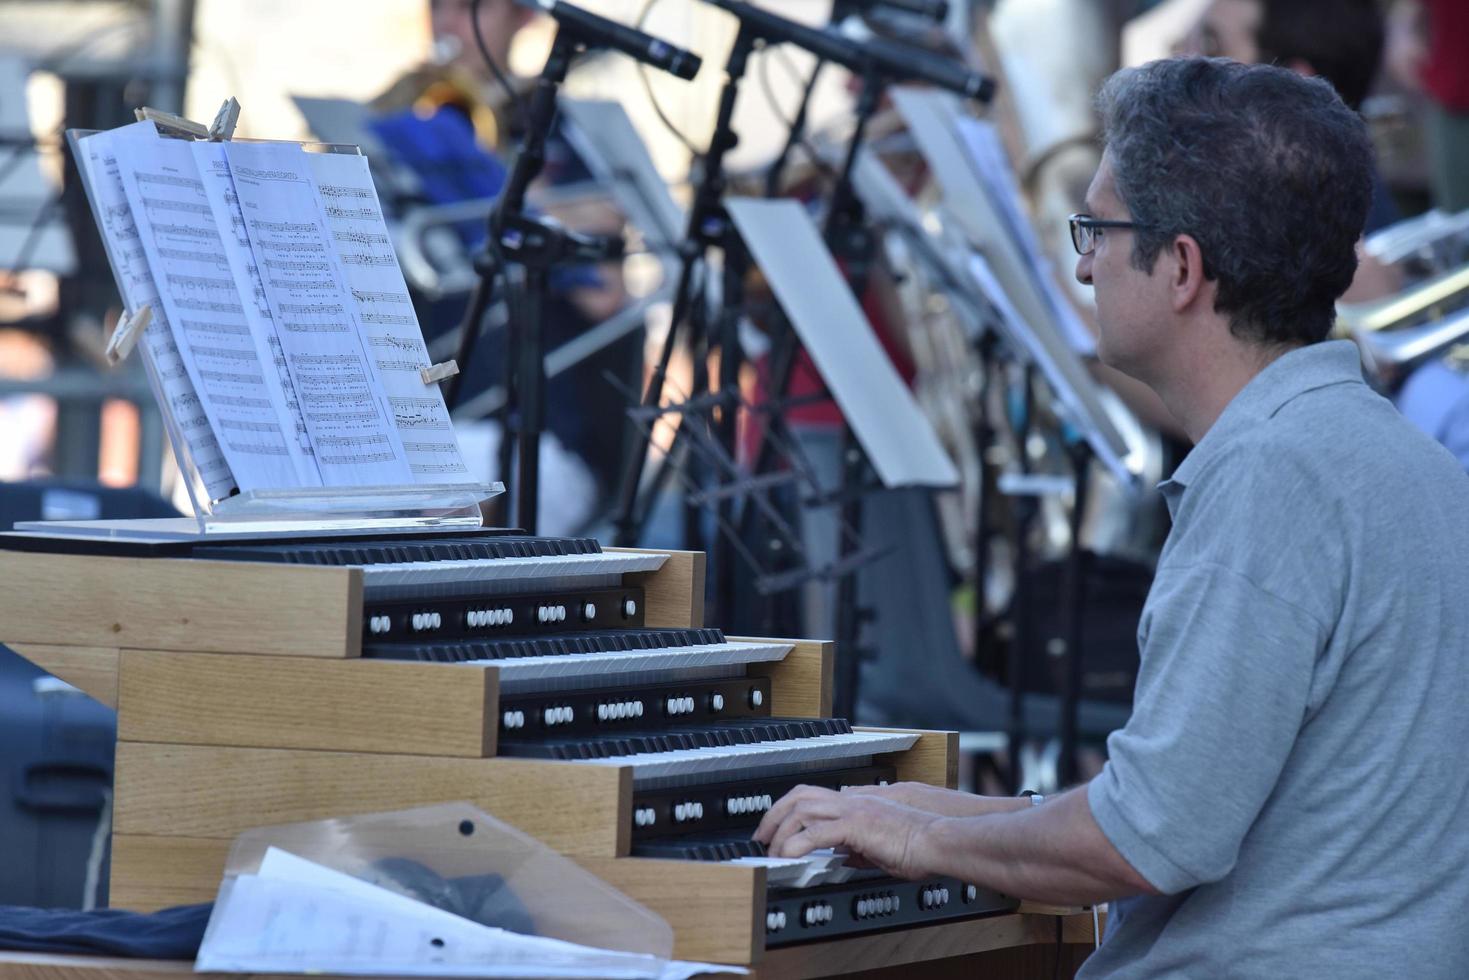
782 752
390 575
523 669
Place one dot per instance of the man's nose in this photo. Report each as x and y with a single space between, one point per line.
1084 270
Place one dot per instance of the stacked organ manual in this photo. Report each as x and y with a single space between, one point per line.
282 344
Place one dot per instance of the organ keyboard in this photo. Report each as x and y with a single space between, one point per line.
568 690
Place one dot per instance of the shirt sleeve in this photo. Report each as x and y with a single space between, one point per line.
1221 695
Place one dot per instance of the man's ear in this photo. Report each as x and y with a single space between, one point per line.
1186 275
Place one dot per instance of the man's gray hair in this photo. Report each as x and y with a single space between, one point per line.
1267 170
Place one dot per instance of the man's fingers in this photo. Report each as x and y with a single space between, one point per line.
810 809
779 813
814 836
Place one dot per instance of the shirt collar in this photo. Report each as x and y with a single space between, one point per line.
1288 376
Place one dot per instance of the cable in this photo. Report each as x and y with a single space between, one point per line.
33 236
516 103
652 96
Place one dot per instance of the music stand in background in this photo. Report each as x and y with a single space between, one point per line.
33 232
889 433
1001 262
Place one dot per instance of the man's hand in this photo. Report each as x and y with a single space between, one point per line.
879 832
944 802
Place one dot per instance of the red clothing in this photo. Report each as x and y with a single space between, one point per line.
1446 75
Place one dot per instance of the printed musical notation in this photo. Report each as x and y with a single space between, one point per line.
172 181
207 306
419 413
390 319
387 341
208 327
214 258
187 231
169 180
297 326
296 265
312 309
241 401
233 378
359 213
200 282
163 204
293 246
385 311
369 259
391 364
259 173
337 191
318 284
99 158
283 227
379 296
360 237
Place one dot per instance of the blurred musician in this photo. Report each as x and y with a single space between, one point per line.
1286 799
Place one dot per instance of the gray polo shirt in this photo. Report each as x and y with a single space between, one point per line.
1294 776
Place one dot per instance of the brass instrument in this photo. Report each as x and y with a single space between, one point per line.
1422 301
431 86
1391 352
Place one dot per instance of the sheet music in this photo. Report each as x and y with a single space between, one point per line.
185 251
219 188
988 155
297 917
135 282
389 325
346 410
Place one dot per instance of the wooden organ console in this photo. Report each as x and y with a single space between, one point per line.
569 690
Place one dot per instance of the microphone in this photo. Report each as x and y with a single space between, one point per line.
937 10
908 63
897 62
597 31
774 29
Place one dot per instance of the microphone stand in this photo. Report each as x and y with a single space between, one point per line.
708 225
523 249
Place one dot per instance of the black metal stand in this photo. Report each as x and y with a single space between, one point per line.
1075 597
707 226
522 250
1024 622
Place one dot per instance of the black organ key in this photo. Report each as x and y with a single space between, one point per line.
560 645
433 548
737 731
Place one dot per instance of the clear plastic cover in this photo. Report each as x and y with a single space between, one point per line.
462 860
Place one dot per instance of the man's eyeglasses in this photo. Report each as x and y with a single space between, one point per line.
1086 230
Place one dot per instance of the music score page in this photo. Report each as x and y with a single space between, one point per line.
294 343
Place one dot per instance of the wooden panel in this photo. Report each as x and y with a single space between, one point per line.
91 669
673 596
717 911
179 604
958 950
152 873
306 703
933 759
910 947
208 791
801 684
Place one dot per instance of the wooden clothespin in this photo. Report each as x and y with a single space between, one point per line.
172 124
435 373
125 335
223 126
